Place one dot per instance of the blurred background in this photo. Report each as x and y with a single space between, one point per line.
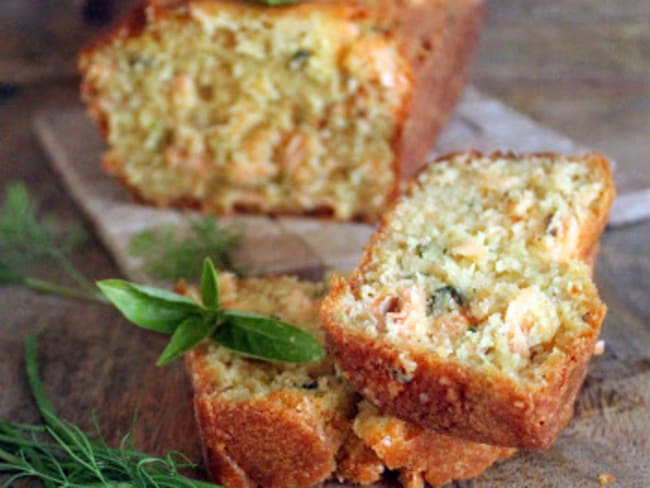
580 66
39 38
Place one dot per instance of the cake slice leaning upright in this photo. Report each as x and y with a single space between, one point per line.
472 312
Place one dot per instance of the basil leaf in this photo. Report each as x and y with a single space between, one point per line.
266 338
193 330
161 294
148 307
209 285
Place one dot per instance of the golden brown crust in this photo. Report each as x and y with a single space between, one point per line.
357 463
192 204
148 11
440 41
241 443
219 464
437 38
447 396
282 439
401 444
591 256
272 445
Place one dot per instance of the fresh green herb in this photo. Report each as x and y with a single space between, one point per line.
191 331
169 256
9 276
455 294
25 238
190 323
58 453
421 248
299 59
210 295
148 307
266 338
472 329
276 2
446 299
139 61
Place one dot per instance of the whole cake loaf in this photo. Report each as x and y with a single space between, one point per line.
283 425
317 107
473 311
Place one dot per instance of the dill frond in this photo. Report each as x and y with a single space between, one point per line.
26 237
9 275
59 453
170 253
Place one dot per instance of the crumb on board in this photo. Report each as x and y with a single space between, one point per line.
599 348
605 479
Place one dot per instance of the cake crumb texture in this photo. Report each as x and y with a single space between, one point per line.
314 107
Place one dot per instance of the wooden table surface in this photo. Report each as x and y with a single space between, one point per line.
580 66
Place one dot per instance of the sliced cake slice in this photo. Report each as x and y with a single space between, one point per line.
280 425
472 312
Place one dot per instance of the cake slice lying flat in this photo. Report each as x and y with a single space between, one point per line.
310 107
472 312
274 425
422 455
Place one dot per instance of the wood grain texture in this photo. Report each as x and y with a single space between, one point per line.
578 65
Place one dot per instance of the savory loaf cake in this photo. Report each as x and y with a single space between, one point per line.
277 425
472 312
320 106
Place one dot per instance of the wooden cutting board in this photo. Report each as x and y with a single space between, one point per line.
611 430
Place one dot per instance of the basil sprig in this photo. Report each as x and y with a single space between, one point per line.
189 323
